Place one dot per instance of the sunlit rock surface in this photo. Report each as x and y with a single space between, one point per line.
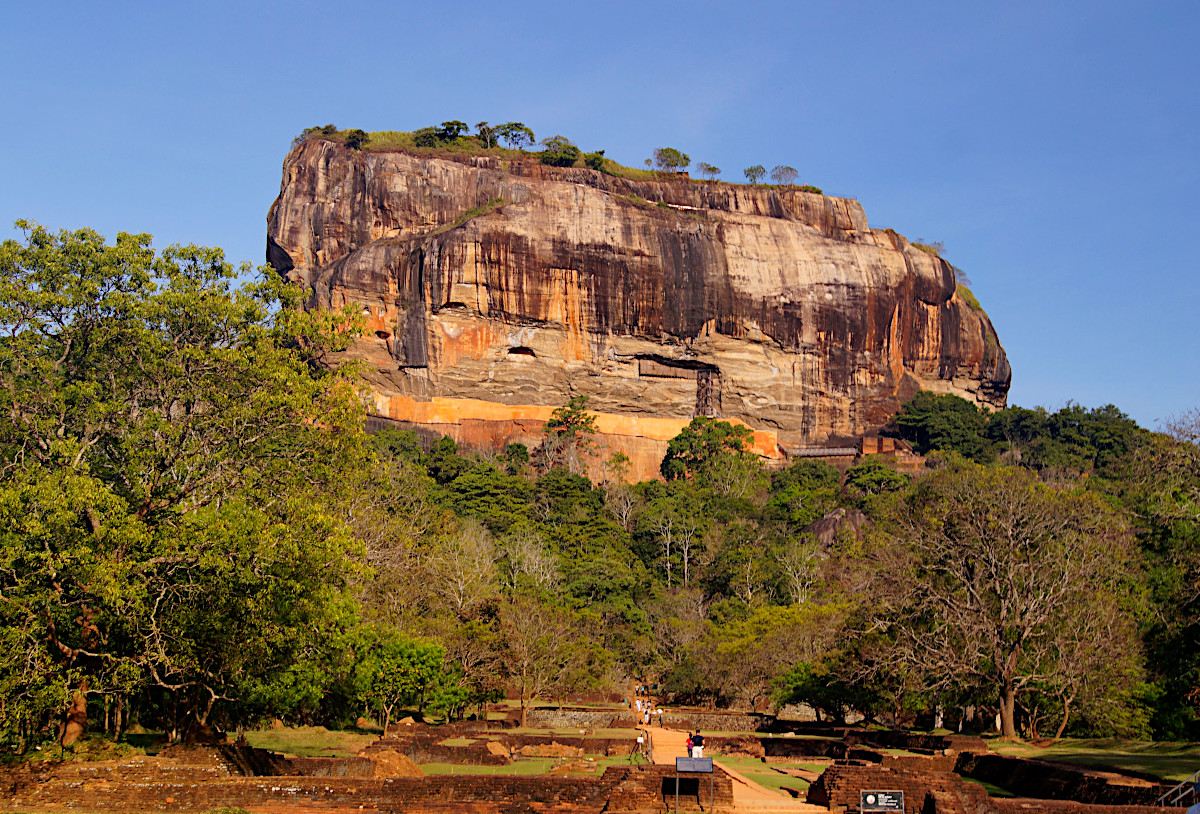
495 290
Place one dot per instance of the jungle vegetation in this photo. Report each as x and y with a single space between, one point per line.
196 532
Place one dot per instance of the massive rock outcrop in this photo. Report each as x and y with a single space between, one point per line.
496 289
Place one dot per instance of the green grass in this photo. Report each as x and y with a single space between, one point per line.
91 747
762 773
533 765
312 741
968 297
573 732
474 212
520 766
456 742
991 788
1169 761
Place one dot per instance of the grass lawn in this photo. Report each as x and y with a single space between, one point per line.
533 765
762 773
522 766
312 741
991 788
574 732
1170 761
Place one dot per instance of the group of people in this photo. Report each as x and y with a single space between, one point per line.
644 706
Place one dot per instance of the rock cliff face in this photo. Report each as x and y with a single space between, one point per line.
494 290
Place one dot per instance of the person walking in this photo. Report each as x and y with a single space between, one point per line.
697 742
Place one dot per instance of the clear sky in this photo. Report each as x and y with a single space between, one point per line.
1051 146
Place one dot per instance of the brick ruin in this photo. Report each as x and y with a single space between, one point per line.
935 773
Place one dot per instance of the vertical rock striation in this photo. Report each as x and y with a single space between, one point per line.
496 289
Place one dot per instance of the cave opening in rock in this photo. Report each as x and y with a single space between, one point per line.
521 350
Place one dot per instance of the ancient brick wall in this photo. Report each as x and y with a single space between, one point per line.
153 784
1061 781
924 793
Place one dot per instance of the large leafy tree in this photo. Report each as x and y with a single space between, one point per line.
945 422
1002 582
169 445
701 445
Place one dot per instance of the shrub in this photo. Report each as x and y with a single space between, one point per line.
810 188
313 132
594 160
356 139
426 137
968 297
558 151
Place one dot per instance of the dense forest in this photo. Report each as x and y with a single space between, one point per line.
197 533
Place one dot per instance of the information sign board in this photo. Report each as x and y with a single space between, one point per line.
702 765
881 801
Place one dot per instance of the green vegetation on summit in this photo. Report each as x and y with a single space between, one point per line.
454 138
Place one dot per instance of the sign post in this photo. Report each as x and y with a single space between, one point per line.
694 765
881 802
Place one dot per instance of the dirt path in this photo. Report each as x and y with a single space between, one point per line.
748 796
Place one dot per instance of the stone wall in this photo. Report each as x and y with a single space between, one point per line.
924 793
580 719
157 788
707 721
1062 781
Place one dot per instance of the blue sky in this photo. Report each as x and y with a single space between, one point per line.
1052 147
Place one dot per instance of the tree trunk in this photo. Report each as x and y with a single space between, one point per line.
1066 713
118 717
1008 708
76 723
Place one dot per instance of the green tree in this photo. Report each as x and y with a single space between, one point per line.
516 134
570 436
708 171
870 479
668 159
449 131
594 160
315 132
357 139
803 492
702 446
395 670
168 445
946 422
998 577
485 134
755 173
427 137
558 151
